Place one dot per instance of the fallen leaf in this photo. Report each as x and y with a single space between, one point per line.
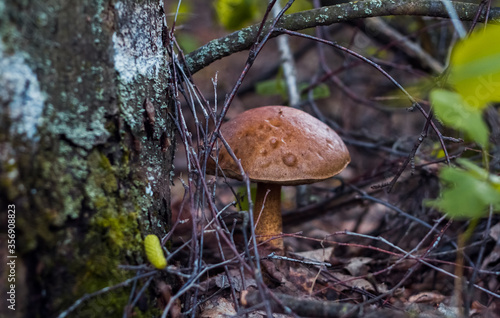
217 307
427 297
222 281
355 282
303 277
495 232
357 266
320 255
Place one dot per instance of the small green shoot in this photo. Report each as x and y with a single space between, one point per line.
453 111
469 190
278 87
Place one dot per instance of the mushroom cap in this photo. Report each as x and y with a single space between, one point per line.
283 145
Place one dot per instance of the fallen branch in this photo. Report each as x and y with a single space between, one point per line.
243 39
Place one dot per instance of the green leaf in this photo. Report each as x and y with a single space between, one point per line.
271 88
467 193
242 194
475 67
297 6
236 14
480 173
318 92
453 111
278 87
187 42
185 11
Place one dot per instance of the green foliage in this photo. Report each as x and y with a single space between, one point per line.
278 87
113 237
242 194
475 67
297 6
237 14
271 87
469 191
475 76
187 42
454 112
183 13
319 92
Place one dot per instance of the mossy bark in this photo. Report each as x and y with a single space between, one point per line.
86 148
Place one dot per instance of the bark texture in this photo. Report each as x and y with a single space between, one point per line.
86 148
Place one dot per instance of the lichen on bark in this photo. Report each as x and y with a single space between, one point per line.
92 180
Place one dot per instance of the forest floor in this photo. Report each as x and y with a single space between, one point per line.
364 243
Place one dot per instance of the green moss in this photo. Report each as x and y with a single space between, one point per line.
112 220
109 217
120 230
113 238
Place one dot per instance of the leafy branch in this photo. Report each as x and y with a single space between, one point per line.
243 39
474 76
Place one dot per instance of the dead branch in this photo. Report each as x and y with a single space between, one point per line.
243 39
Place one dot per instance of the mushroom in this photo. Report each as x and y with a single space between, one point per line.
277 146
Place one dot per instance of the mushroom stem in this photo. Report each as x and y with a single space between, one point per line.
267 214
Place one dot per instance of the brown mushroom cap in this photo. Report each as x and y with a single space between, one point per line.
280 144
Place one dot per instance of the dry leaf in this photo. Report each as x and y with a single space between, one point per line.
223 282
320 255
427 297
303 277
357 266
495 232
218 307
361 283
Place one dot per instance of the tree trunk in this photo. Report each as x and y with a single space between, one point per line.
86 149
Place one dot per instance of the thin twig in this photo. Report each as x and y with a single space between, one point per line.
407 46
